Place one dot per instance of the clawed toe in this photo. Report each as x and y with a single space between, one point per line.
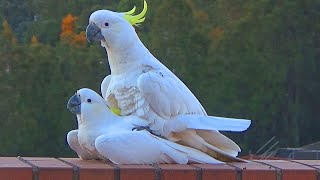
147 128
140 128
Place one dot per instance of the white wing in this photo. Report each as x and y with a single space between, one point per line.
211 123
136 147
171 99
72 139
167 95
104 85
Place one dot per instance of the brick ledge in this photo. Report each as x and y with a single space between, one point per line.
45 168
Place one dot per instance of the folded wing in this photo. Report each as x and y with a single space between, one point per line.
141 147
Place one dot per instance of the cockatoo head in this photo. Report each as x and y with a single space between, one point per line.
88 103
114 29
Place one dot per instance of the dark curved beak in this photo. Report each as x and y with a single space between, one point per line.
93 33
74 104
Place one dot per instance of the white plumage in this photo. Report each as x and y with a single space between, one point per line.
142 86
104 135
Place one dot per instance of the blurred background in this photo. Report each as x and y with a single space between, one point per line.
250 59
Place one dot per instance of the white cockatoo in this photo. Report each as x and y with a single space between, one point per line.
105 135
142 86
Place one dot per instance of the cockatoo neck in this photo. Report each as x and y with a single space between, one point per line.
97 119
128 58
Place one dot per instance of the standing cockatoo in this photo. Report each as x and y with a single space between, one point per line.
142 86
104 135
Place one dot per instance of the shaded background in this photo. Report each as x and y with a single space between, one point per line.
251 59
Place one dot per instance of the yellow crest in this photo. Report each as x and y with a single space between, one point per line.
136 19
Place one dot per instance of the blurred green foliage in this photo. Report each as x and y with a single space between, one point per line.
258 60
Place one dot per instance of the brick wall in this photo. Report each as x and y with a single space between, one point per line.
35 168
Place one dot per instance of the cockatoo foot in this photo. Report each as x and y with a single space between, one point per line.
140 128
146 128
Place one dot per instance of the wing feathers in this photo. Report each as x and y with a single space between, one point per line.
72 139
167 95
191 154
104 86
213 123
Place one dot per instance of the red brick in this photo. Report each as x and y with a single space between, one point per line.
178 172
92 169
292 170
252 170
137 172
12 168
217 171
51 168
73 168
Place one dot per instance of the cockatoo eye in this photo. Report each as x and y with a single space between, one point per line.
89 100
106 24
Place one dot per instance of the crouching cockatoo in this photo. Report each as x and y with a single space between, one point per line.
142 86
104 135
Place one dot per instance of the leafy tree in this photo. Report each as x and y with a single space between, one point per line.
248 59
68 34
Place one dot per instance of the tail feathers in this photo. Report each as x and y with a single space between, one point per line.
200 157
176 157
192 139
165 159
192 155
214 123
219 140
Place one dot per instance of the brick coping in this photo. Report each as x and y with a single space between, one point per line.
47 168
